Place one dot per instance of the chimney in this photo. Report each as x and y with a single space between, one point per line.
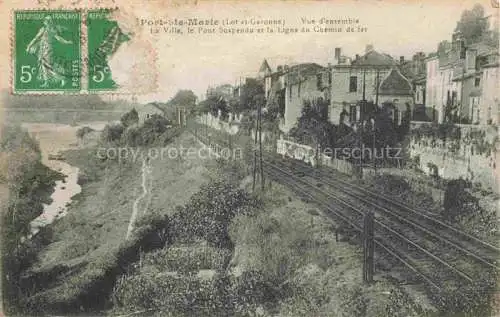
285 68
401 59
369 48
338 52
357 56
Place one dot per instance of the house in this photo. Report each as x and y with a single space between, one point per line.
275 89
442 92
225 91
358 79
477 78
489 109
288 87
415 71
302 82
147 111
462 82
396 90
433 98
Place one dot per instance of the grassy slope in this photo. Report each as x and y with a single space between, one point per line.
294 248
97 223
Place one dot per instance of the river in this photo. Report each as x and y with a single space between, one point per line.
54 138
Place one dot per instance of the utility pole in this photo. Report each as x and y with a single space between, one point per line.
374 129
368 248
364 83
260 146
461 96
258 138
255 154
360 127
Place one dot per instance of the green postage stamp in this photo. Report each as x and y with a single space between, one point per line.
47 51
47 54
104 37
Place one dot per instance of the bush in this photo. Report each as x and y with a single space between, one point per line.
155 130
81 132
132 136
130 118
179 294
250 290
188 258
353 302
112 133
459 202
208 213
392 183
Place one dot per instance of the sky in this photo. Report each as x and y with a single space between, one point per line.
196 61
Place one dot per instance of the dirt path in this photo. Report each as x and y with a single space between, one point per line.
146 169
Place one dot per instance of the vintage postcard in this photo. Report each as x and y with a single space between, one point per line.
249 158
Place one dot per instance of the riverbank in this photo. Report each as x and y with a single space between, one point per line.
57 138
27 186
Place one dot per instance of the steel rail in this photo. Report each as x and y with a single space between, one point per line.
378 241
402 237
411 223
344 218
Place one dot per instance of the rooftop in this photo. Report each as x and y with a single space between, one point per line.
374 58
396 84
264 67
297 73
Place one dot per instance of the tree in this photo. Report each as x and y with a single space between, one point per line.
112 133
214 104
234 105
130 118
473 25
183 98
251 90
153 128
313 124
386 134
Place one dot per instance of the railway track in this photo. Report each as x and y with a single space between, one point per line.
429 247
470 246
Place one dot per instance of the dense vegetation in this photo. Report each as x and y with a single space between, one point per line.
30 184
156 129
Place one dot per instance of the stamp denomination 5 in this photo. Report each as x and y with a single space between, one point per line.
47 51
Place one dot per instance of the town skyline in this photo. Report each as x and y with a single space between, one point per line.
413 30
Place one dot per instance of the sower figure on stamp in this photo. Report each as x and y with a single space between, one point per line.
42 44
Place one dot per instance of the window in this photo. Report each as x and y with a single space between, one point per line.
290 91
353 84
481 61
477 81
330 78
298 91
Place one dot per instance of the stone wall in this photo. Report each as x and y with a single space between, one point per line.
308 155
231 126
468 158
